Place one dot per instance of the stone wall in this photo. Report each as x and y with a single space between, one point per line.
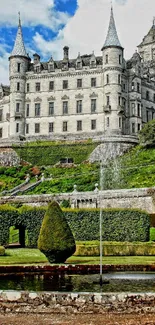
142 198
50 302
8 157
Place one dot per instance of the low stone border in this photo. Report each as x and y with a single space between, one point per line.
73 269
50 302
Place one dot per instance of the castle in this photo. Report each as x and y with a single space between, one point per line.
86 97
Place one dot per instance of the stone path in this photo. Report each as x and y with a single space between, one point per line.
79 319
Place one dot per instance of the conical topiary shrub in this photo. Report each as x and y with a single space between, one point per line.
55 240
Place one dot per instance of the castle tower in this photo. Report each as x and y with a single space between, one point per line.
19 61
112 72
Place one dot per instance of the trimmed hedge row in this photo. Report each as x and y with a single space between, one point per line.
117 249
118 224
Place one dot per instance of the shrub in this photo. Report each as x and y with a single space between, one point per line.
2 251
147 134
55 239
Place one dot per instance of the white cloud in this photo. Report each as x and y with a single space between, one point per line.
86 30
33 12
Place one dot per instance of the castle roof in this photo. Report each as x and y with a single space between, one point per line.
19 47
112 37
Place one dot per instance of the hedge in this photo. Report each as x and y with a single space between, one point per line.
118 224
116 249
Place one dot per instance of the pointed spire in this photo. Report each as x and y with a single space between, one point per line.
112 37
19 47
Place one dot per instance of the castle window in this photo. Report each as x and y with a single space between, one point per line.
28 87
1 115
1 132
93 105
120 59
152 115
37 86
37 109
108 122
51 127
51 85
18 67
138 110
119 79
17 127
37 127
93 124
64 127
51 108
65 84
108 100
27 110
93 82
79 83
79 125
119 100
107 78
147 116
18 86
106 59
120 122
138 127
133 109
65 107
133 86
138 87
17 107
27 128
79 106
133 127
147 95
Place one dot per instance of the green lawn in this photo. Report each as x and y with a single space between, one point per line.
34 256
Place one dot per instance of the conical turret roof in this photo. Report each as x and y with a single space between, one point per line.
112 37
19 47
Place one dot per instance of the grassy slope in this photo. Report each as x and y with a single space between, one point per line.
134 169
34 256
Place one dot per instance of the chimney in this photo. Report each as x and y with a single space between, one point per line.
66 53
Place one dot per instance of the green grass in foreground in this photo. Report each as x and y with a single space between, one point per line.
34 256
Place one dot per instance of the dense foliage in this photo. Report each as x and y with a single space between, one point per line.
118 224
147 134
55 240
2 251
45 153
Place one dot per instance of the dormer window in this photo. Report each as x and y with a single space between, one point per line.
37 68
78 64
51 67
93 61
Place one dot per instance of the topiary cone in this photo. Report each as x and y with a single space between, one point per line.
56 240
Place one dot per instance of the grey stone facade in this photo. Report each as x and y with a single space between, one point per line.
86 97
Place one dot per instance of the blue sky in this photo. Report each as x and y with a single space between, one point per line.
81 24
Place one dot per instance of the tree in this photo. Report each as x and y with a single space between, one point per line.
147 134
56 240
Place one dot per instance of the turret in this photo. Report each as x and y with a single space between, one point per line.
19 62
112 69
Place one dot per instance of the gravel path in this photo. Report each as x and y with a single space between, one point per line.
79 319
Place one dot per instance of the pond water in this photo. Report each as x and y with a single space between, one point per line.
118 282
